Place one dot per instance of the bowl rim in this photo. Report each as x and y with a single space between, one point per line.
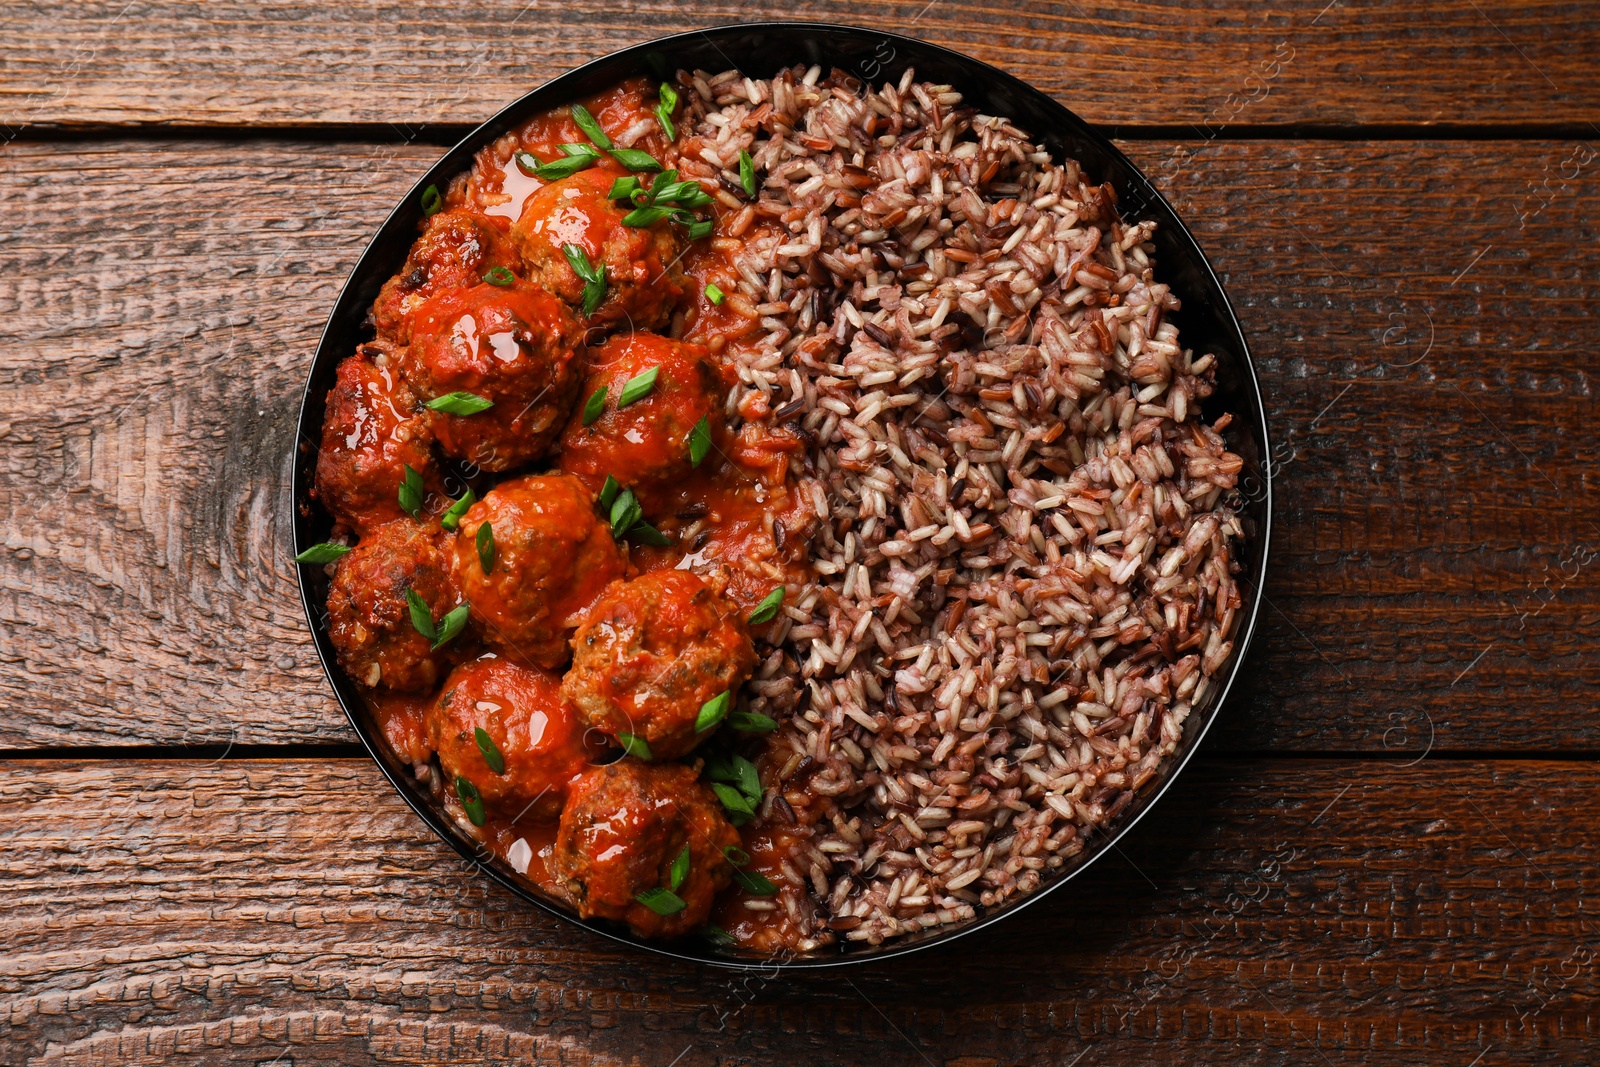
565 87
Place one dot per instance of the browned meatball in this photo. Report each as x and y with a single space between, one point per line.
624 826
457 248
532 731
372 430
651 652
643 282
552 557
369 618
518 347
645 445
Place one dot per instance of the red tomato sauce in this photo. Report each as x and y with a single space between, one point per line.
737 520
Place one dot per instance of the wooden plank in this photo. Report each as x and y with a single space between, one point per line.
159 316
1161 62
1266 913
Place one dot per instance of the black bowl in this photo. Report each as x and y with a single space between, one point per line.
1206 324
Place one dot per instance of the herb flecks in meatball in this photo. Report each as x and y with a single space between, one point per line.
624 828
651 653
643 282
457 248
645 443
369 615
517 347
532 745
551 557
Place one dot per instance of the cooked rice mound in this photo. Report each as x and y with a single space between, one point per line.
1024 569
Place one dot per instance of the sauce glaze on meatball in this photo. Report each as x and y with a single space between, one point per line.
534 730
372 429
651 652
519 347
457 248
624 826
645 445
643 282
369 618
552 558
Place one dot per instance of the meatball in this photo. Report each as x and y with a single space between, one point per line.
369 617
534 731
518 347
456 249
624 826
646 444
643 282
371 432
552 557
651 652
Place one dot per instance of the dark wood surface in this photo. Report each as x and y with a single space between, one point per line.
1383 855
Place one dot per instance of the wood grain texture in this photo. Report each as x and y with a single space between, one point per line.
1267 912
1162 62
1435 557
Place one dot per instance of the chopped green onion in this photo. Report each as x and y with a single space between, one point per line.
460 404
591 129
565 168
638 387
431 201
623 188
767 610
326 552
451 520
578 259
471 799
625 511
747 173
486 547
608 492
701 229
667 179
594 291
717 937
635 159
754 882
734 801
636 747
500 276
411 493
700 441
491 751
751 722
594 278
645 216
646 534
451 625
714 294
579 157
694 197
736 855
595 406
664 110
661 901
735 769
421 616
712 712
684 194
680 867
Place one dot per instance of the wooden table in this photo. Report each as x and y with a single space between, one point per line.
1387 850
